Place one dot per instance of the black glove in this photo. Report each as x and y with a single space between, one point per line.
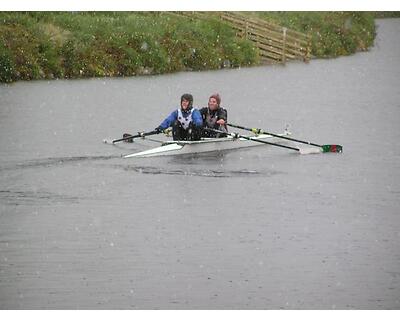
127 138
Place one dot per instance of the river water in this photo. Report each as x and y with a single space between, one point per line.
258 228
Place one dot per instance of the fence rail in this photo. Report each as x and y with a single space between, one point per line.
276 44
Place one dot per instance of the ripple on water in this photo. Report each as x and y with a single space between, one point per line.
17 197
56 161
200 172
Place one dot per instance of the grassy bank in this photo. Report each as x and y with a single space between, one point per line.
45 45
73 45
333 33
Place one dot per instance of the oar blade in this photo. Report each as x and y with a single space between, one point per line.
108 141
324 148
332 148
126 137
310 150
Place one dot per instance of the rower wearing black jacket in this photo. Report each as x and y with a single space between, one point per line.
214 117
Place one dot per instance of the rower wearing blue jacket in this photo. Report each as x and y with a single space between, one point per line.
186 121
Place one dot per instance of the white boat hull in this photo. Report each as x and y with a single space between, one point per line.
171 148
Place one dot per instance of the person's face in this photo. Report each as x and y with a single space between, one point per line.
185 104
213 104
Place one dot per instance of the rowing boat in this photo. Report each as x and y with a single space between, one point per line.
230 142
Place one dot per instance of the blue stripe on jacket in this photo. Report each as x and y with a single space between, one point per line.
169 121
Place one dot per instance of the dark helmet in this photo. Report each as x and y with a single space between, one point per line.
188 97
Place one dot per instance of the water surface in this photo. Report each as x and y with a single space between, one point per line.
259 228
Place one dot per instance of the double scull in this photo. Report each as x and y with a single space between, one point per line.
206 145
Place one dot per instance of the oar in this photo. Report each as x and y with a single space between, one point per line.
324 147
139 135
236 135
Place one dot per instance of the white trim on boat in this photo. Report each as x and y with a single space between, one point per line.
205 145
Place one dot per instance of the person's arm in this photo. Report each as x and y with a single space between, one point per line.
168 121
222 116
203 112
197 118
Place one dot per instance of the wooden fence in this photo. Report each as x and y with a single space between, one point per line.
276 44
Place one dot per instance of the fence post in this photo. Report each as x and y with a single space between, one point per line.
284 46
247 29
308 49
266 37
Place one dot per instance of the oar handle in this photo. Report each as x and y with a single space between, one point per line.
139 135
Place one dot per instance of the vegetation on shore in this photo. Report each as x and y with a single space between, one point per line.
46 45
333 33
73 45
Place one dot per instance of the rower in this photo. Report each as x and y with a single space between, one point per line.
214 117
186 121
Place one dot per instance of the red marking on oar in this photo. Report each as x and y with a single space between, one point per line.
333 148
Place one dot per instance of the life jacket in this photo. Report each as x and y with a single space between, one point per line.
185 120
211 120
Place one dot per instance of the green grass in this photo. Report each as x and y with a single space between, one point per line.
387 14
46 45
333 33
39 45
